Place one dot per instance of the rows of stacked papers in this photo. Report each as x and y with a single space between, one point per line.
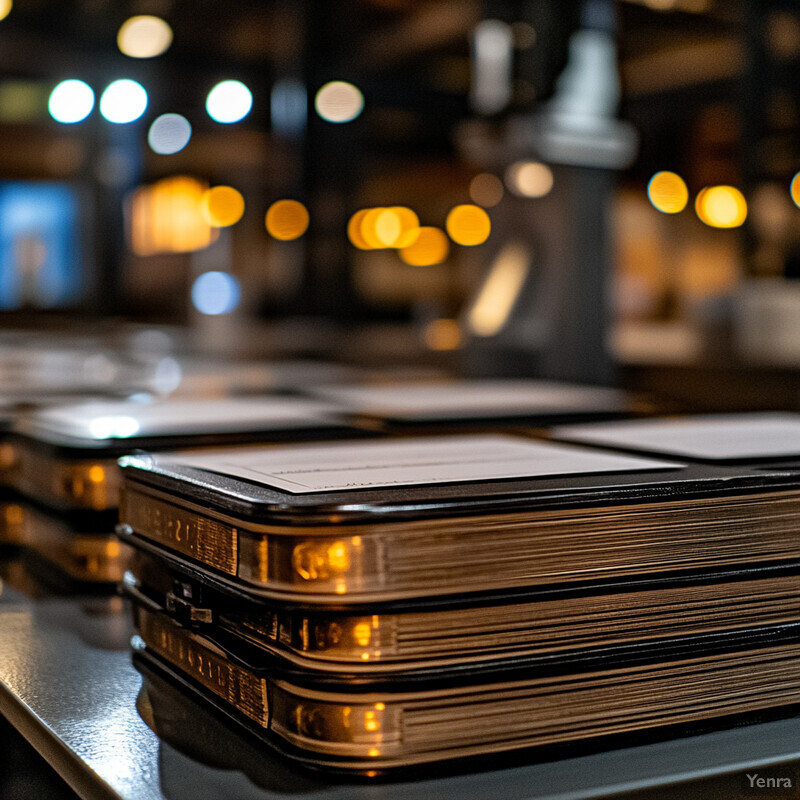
378 603
60 439
369 575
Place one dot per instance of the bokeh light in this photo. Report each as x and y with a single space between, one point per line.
667 192
795 189
215 293
430 248
5 8
287 220
144 36
123 101
486 190
369 225
71 101
443 334
288 107
388 227
222 206
169 134
229 102
500 291
112 427
529 179
409 226
165 217
339 101
721 207
468 225
354 229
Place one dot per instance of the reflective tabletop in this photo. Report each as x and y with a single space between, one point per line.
68 685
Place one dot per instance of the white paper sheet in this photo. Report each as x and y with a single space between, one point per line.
426 460
712 437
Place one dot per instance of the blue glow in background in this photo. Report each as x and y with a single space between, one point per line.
47 213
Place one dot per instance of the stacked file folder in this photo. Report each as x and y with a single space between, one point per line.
65 466
376 604
458 404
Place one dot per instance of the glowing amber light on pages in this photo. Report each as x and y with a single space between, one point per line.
431 247
667 192
721 207
322 561
287 220
371 722
363 634
339 556
468 225
5 8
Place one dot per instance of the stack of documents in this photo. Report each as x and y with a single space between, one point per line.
367 605
65 465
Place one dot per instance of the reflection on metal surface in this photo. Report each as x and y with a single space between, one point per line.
181 750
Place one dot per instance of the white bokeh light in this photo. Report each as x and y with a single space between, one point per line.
169 134
144 36
71 101
123 101
215 293
113 427
229 101
339 101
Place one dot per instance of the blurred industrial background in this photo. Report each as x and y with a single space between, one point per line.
598 191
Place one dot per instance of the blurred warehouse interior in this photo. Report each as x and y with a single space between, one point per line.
597 191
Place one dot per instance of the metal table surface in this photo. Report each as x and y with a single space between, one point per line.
68 685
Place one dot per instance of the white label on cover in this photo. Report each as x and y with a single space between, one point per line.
126 419
410 462
470 398
719 437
